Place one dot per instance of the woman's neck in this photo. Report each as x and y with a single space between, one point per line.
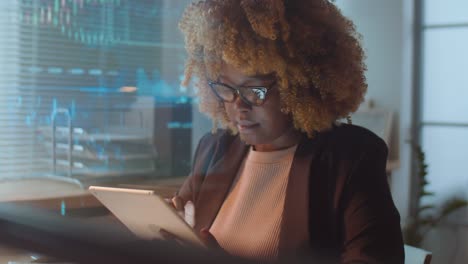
287 140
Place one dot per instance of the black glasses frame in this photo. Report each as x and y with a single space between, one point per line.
238 92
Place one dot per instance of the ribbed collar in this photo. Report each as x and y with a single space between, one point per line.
271 156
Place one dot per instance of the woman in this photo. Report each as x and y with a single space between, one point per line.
281 177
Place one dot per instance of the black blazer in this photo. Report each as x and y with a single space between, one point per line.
338 203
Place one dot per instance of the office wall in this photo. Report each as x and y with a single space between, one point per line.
387 38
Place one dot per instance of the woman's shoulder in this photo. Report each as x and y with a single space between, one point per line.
357 133
346 138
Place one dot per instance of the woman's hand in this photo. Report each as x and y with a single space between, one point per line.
187 211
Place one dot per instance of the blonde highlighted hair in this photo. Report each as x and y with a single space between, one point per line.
313 50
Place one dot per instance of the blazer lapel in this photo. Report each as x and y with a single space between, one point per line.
218 180
294 234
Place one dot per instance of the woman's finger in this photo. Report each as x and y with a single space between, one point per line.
189 213
178 203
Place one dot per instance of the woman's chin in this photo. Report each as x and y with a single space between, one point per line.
248 139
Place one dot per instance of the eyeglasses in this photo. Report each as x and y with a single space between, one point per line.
251 95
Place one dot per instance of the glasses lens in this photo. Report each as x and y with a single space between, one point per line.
255 95
223 92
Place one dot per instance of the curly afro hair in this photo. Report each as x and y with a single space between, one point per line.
311 48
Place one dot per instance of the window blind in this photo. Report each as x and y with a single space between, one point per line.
110 66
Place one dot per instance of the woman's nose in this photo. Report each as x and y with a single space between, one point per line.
240 104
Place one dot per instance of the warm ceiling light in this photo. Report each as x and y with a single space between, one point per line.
128 89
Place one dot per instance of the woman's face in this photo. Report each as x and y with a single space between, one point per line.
265 127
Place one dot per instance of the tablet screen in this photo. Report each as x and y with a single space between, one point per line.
145 213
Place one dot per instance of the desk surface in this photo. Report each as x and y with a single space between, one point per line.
41 189
55 195
12 254
37 189
15 255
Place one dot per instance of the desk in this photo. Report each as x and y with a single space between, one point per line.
56 196
53 194
12 254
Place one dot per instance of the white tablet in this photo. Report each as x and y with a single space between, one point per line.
145 213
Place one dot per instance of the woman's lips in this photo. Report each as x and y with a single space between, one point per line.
246 126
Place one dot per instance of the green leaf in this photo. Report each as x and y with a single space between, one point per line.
423 208
452 206
423 183
412 236
424 193
427 221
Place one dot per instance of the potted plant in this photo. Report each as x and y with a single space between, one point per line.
427 216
